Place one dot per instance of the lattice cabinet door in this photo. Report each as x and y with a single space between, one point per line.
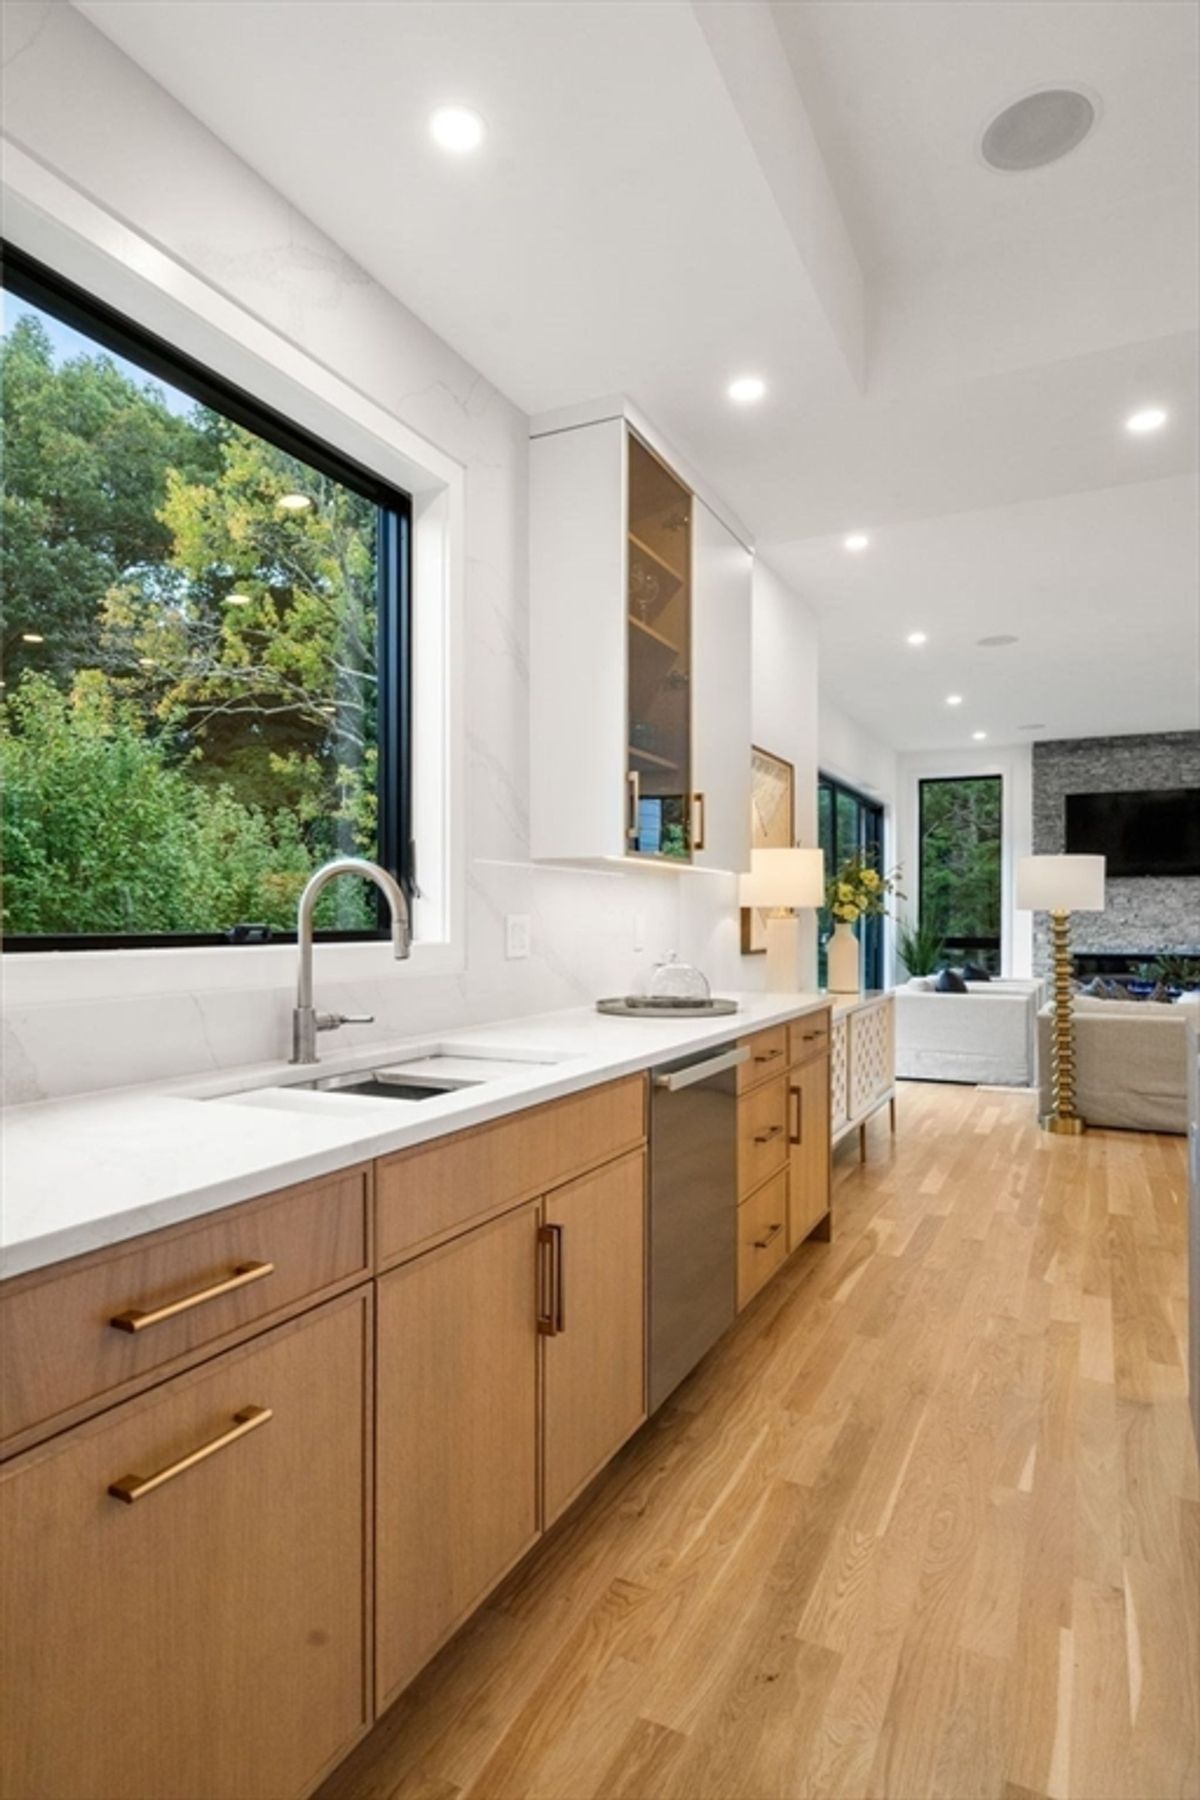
870 1049
839 1075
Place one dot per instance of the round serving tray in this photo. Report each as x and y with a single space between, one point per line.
642 1006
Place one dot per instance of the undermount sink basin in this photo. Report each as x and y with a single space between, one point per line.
381 1084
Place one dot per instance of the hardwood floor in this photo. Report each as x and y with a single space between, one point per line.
926 1523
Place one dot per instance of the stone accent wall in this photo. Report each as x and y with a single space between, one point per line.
1149 913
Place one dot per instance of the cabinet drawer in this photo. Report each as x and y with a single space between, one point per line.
768 1057
762 1236
808 1037
205 1641
762 1134
123 1317
430 1193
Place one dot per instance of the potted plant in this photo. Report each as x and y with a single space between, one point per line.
920 948
857 891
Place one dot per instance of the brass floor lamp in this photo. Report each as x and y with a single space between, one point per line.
1061 885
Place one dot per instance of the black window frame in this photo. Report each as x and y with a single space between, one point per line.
51 292
868 810
961 942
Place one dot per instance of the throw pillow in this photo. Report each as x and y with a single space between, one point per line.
949 981
921 984
973 972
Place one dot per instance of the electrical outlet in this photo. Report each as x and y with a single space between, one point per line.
516 936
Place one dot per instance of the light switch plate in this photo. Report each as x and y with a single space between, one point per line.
516 936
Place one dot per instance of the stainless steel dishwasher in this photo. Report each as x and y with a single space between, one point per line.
693 1211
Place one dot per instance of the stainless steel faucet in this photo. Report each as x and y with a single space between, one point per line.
306 1022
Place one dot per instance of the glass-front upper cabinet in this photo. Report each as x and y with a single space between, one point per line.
659 659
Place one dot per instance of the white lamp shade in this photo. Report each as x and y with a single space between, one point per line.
1060 883
784 878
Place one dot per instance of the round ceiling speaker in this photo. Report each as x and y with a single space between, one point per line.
1038 129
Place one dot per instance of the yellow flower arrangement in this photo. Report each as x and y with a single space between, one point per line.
859 889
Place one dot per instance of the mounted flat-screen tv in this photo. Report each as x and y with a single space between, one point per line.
1155 832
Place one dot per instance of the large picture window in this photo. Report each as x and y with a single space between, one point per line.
206 631
961 838
849 824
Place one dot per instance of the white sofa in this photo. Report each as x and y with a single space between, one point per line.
1130 1063
986 1035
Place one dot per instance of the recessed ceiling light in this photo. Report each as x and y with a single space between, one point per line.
1038 129
746 389
32 637
293 503
979 736
1149 418
1000 642
457 129
953 699
237 599
858 540
916 637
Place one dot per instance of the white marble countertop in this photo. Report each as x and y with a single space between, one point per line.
82 1173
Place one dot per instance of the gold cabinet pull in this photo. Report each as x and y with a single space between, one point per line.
552 1315
765 1243
797 1136
635 801
765 1137
242 1276
134 1487
767 1055
699 830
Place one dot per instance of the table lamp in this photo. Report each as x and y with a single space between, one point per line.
781 880
1061 885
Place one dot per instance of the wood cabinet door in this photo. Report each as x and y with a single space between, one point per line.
595 1348
809 1153
456 1436
207 1640
721 583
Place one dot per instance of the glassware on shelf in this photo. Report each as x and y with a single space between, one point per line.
643 590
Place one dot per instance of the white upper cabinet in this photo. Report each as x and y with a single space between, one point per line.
640 656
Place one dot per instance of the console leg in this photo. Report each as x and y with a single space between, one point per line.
892 1113
862 1142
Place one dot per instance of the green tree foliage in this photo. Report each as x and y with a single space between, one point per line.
960 857
198 729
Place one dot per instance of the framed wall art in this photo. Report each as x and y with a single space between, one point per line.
772 827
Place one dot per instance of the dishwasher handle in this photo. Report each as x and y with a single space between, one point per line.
713 1065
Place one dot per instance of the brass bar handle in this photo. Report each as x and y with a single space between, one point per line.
767 1055
765 1137
699 811
765 1243
635 801
134 1487
806 1037
242 1276
551 1314
797 1136
560 1278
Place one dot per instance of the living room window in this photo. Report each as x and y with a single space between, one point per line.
206 646
848 823
961 824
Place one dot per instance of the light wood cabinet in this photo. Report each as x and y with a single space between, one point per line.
595 1325
208 1640
810 1151
457 1432
762 1236
640 590
111 1323
762 1134
768 1057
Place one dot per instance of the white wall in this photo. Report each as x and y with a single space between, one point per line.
848 751
87 113
785 713
1014 764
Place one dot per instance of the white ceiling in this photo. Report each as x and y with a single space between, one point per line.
670 194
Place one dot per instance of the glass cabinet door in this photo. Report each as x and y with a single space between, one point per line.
659 659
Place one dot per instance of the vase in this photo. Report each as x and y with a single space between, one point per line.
843 960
